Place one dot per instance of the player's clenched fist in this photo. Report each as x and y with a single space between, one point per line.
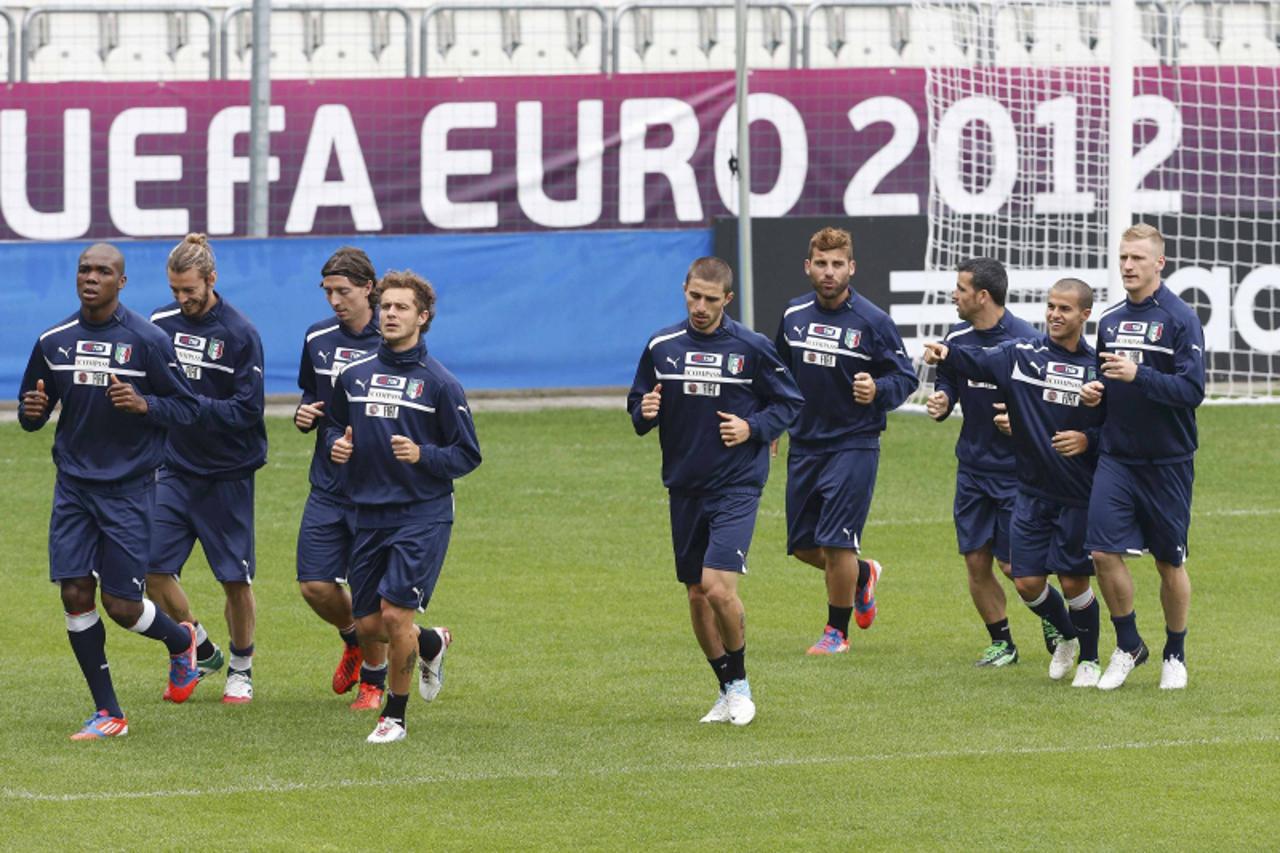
342 448
864 388
651 402
935 353
1118 367
35 403
1091 393
733 429
125 397
405 449
1001 418
937 404
307 415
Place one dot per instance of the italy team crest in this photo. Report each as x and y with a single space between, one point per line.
414 389
852 337
1154 331
215 348
735 363
123 353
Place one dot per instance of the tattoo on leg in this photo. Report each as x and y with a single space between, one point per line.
410 662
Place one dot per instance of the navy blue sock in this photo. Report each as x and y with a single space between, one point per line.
864 573
429 644
1174 644
1127 637
1054 609
395 706
375 677
349 637
89 644
999 632
157 625
1086 622
720 666
838 618
737 663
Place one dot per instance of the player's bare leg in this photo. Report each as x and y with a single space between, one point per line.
720 589
1175 598
705 627
402 634
241 615
842 575
1116 583
167 592
984 587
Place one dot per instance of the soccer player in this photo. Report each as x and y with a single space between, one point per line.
329 519
116 377
1055 446
205 489
852 368
985 479
400 421
718 394
1151 356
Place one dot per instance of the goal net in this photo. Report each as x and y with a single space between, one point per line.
1022 167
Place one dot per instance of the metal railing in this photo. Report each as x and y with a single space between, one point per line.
11 42
236 11
510 13
640 8
35 13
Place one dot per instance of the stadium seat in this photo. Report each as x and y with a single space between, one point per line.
1010 37
141 48
666 40
557 41
73 49
933 38
1057 37
1143 50
1194 45
1248 35
852 37
292 41
359 44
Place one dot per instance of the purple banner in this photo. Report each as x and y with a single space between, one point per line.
411 156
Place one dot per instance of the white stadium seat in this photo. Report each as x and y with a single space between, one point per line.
933 39
1248 35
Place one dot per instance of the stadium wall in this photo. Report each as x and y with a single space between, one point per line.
515 310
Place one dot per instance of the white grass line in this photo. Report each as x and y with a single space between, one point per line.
569 773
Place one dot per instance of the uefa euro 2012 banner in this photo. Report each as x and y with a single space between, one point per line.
412 156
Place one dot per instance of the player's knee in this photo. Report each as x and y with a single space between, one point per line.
1073 586
122 611
1029 588
77 595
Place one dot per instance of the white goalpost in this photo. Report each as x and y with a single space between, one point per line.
1071 120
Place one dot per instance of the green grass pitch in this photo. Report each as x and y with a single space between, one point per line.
569 715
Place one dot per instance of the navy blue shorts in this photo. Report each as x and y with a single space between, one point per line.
397 564
712 531
217 512
1133 508
982 509
102 530
324 539
1047 538
828 498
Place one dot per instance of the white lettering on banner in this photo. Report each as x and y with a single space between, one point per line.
1216 285
225 169
860 197
15 205
126 168
949 168
1061 117
1168 121
636 161
333 133
1263 340
439 162
793 145
534 201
